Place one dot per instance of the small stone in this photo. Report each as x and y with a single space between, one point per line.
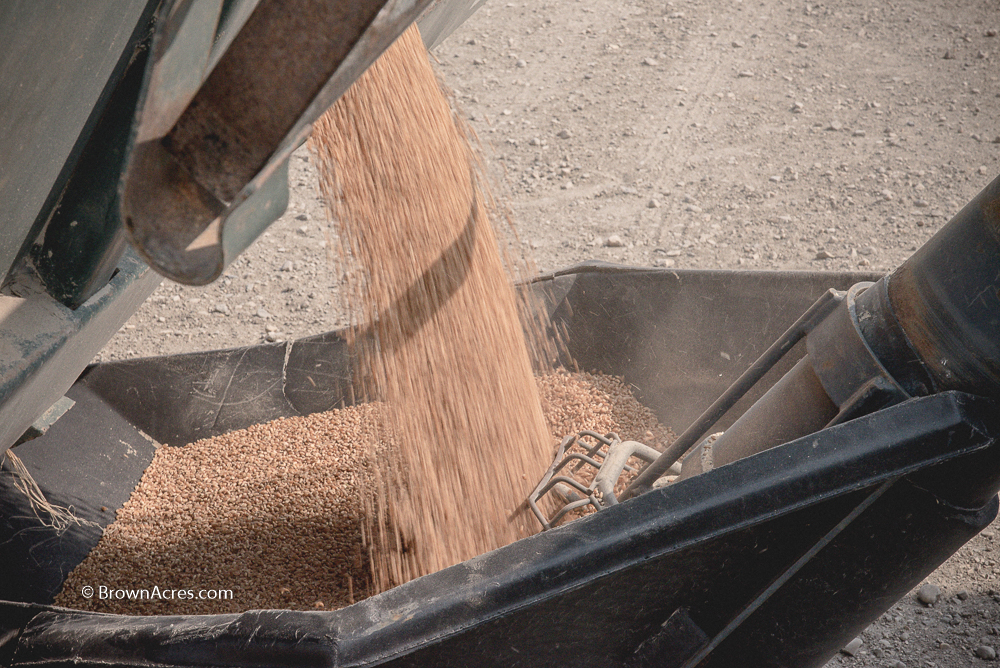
835 126
653 204
318 605
302 216
858 133
962 595
737 45
996 140
746 74
803 45
506 112
991 32
823 255
651 62
521 63
664 262
304 230
897 664
797 107
928 594
567 185
983 171
287 266
888 195
262 314
272 337
564 134
921 203
535 141
104 509
851 648
693 208
775 179
478 61
867 250
614 241
948 55
986 652
221 308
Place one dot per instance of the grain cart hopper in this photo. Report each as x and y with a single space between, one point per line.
858 412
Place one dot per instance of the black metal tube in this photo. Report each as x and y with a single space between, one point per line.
881 331
946 298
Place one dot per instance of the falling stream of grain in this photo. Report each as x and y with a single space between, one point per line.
443 345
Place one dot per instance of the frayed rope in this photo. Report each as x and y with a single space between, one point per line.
50 515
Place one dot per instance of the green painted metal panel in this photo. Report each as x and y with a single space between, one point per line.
56 61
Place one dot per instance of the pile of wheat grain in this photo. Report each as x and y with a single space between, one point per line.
574 402
273 512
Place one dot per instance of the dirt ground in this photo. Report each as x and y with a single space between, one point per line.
763 135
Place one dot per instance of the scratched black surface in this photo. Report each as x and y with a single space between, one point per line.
182 398
680 338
